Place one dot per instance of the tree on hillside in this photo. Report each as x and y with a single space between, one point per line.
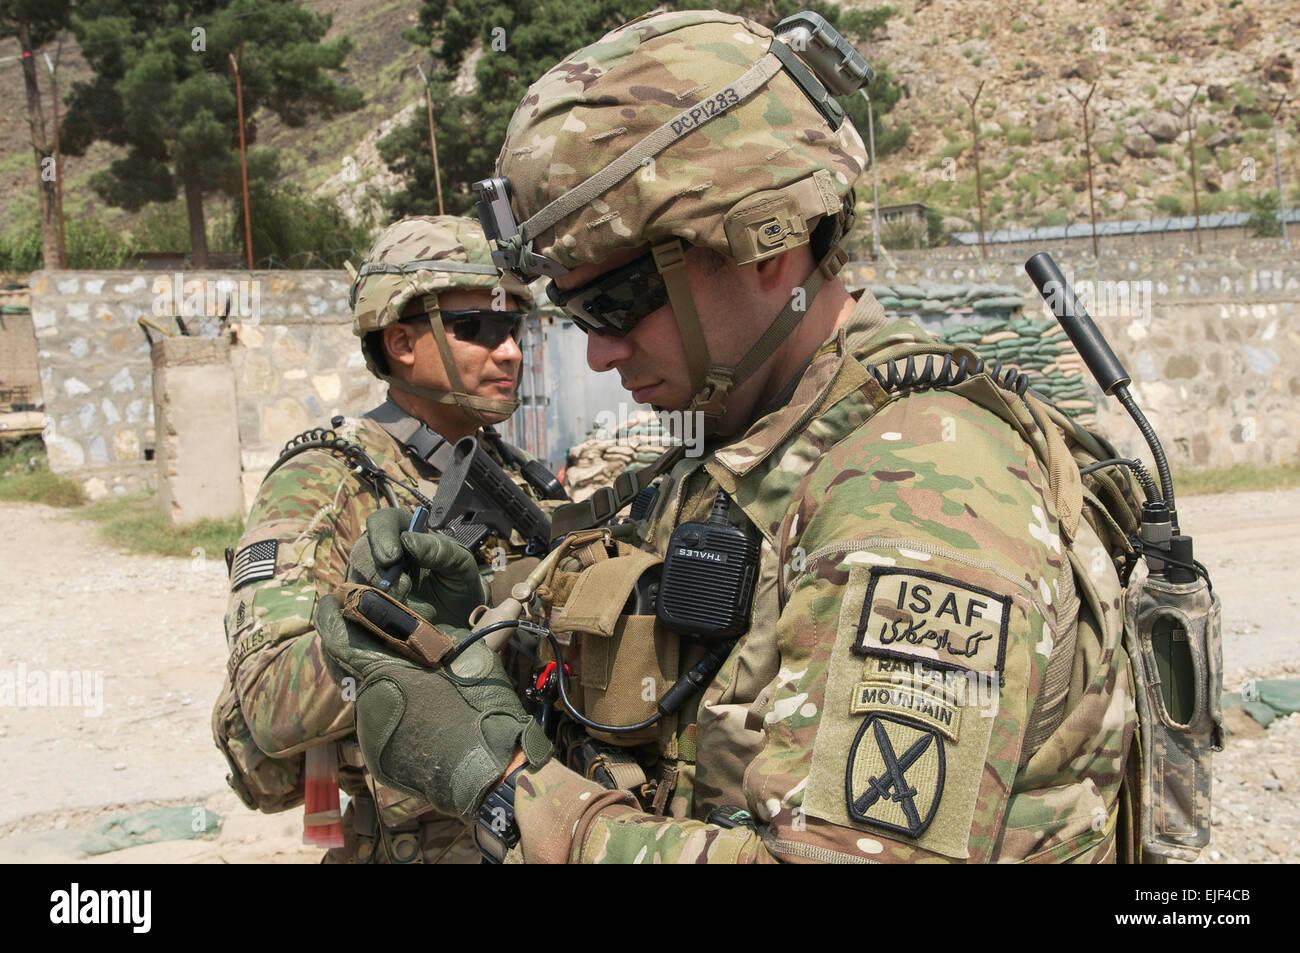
510 46
35 23
163 88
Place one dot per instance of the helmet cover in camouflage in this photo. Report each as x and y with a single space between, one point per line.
415 259
598 103
458 258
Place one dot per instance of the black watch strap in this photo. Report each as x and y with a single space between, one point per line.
495 830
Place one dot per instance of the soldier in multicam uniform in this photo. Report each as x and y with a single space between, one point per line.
439 326
926 675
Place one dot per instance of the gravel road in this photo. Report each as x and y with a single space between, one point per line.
149 628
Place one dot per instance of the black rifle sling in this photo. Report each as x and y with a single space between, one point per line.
608 500
415 435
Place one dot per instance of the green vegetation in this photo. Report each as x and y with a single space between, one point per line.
162 88
292 229
523 41
1264 221
135 523
1239 476
89 243
25 477
1020 135
1257 121
1170 205
1019 26
954 149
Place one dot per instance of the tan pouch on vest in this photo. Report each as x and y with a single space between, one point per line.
626 662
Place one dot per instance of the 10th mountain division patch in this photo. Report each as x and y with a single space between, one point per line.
895 774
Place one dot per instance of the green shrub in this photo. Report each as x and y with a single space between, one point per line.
20 248
1265 221
292 229
88 244
25 476
953 149
1170 205
1020 135
164 227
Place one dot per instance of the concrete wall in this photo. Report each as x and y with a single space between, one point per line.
198 446
1212 342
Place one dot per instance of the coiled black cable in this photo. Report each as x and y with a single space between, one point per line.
354 455
1143 477
947 374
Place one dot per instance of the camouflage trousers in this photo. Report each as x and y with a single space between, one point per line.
439 840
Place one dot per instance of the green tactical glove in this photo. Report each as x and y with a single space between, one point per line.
444 734
440 580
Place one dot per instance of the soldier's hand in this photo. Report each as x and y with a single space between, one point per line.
445 734
440 580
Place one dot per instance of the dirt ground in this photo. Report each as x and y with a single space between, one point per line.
152 627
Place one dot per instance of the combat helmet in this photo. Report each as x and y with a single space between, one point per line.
697 127
415 259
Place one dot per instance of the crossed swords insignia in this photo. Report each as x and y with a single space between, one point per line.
892 784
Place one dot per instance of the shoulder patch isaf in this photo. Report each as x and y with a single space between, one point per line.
254 562
944 622
895 775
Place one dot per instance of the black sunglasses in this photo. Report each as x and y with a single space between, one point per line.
616 301
480 325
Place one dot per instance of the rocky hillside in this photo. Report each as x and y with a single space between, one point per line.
1146 57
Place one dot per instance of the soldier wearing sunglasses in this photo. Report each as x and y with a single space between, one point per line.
440 327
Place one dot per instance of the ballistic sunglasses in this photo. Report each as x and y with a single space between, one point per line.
482 326
617 300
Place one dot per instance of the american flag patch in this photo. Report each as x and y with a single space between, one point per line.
255 561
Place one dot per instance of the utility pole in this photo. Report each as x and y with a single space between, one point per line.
1277 163
875 194
1087 149
979 183
1191 162
243 159
433 142
58 164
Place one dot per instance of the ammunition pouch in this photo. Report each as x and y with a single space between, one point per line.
625 660
263 783
1172 631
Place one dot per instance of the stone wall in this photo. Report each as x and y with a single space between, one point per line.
1212 342
96 377
295 360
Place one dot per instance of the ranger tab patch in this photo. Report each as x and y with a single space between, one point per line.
254 562
922 616
895 775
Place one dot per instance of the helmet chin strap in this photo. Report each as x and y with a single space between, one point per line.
475 407
712 383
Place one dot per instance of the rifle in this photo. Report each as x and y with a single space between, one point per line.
476 499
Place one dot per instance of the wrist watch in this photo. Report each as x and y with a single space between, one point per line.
495 830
